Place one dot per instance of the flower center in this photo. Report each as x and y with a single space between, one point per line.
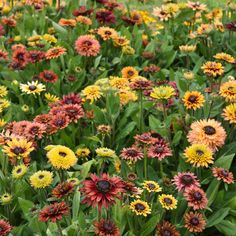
199 152
130 72
159 149
151 186
41 176
59 122
168 201
103 186
18 150
87 43
108 227
48 76
225 173
187 179
209 130
132 152
18 171
166 232
197 196
62 154
139 207
194 221
32 87
192 98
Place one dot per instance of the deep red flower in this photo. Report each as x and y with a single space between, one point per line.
60 121
166 229
105 17
5 228
71 99
48 76
131 154
73 111
35 130
82 11
36 56
63 189
106 228
145 138
231 26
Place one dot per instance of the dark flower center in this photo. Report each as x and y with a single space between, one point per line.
87 43
18 150
159 149
194 221
32 87
209 130
225 173
166 232
187 179
108 227
197 196
48 76
199 152
63 154
132 152
20 56
103 186
18 171
139 207
151 186
41 176
34 130
192 98
59 122
168 201
130 72
108 32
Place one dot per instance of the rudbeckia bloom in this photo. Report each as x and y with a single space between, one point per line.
208 132
199 155
41 179
106 228
48 76
105 152
213 69
33 87
159 150
63 190
3 91
131 154
194 222
82 152
19 171
168 201
166 229
225 57
92 93
61 157
60 120
106 33
87 45
102 191
67 22
228 91
229 113
55 52
120 41
162 92
140 207
152 186
5 199
5 227
193 100
223 174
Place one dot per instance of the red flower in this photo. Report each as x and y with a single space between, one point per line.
20 56
82 11
231 26
63 189
131 154
105 17
167 229
35 129
36 56
71 99
106 228
48 76
5 228
74 112
60 121
222 174
53 212
102 191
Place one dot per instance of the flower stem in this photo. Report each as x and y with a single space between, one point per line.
141 111
145 162
59 229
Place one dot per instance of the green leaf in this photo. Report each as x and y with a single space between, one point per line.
75 206
177 138
150 225
126 131
59 28
97 61
25 206
212 191
226 227
86 168
225 161
217 217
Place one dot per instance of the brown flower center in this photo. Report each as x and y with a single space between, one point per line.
194 221
103 186
87 43
132 152
209 130
59 122
187 179
159 149
192 98
225 173
197 196
166 232
41 176
19 170
168 201
18 150
108 227
32 87
199 152
139 207
151 186
62 154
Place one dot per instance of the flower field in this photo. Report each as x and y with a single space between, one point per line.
118 118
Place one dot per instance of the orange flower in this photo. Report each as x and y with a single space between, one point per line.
55 52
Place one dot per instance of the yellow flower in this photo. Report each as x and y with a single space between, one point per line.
17 38
119 83
25 108
187 48
49 38
213 69
204 29
6 9
6 198
18 148
129 72
146 17
4 103
162 92
61 157
41 179
193 100
19 171
225 57
105 152
171 8
152 186
230 113
117 165
140 207
199 155
228 91
189 75
120 41
126 96
33 87
2 123
128 50
51 98
92 93
3 91
74 181
104 84
168 201
82 152
107 33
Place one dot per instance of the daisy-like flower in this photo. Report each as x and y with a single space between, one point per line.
41 179
140 83
196 198
161 13
2 123
5 227
5 199
104 129
55 52
126 96
229 113
231 26
51 98
33 87
62 190
199 155
129 72
188 75
120 41
159 150
48 76
71 99
19 171
104 16
194 222
54 212
168 201
197 6
193 100
223 175
3 91
82 152
18 148
213 69
4 103
187 48
152 186
105 152
106 32
87 45
61 157
225 57
208 132
185 180
140 207
92 93
106 227
73 111
60 120
3 55
145 138
118 83
50 38
162 92
102 191
73 181
36 56
84 20
166 229
132 154
228 91
35 130
67 22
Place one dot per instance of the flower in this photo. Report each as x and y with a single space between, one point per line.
41 179
87 45
92 93
145 138
73 181
48 76
161 13
55 52
231 26
5 227
4 103
140 207
228 91
60 120
167 229
162 92
213 69
18 148
140 83
187 48
152 186
105 152
5 199
71 99
2 123
33 87
118 83
102 191
185 180
61 157
159 150
126 96
193 100
197 6
199 155
19 171
104 129
50 38
82 152
230 113
107 33
196 198
168 201
3 55
105 227
84 20
63 190
53 212
223 174
188 75
35 130
51 98
131 154
67 22
208 132
194 222
129 72
36 56
120 41
224 57
3 91
104 16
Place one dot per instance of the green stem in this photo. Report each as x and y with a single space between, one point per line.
145 162
59 229
141 111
